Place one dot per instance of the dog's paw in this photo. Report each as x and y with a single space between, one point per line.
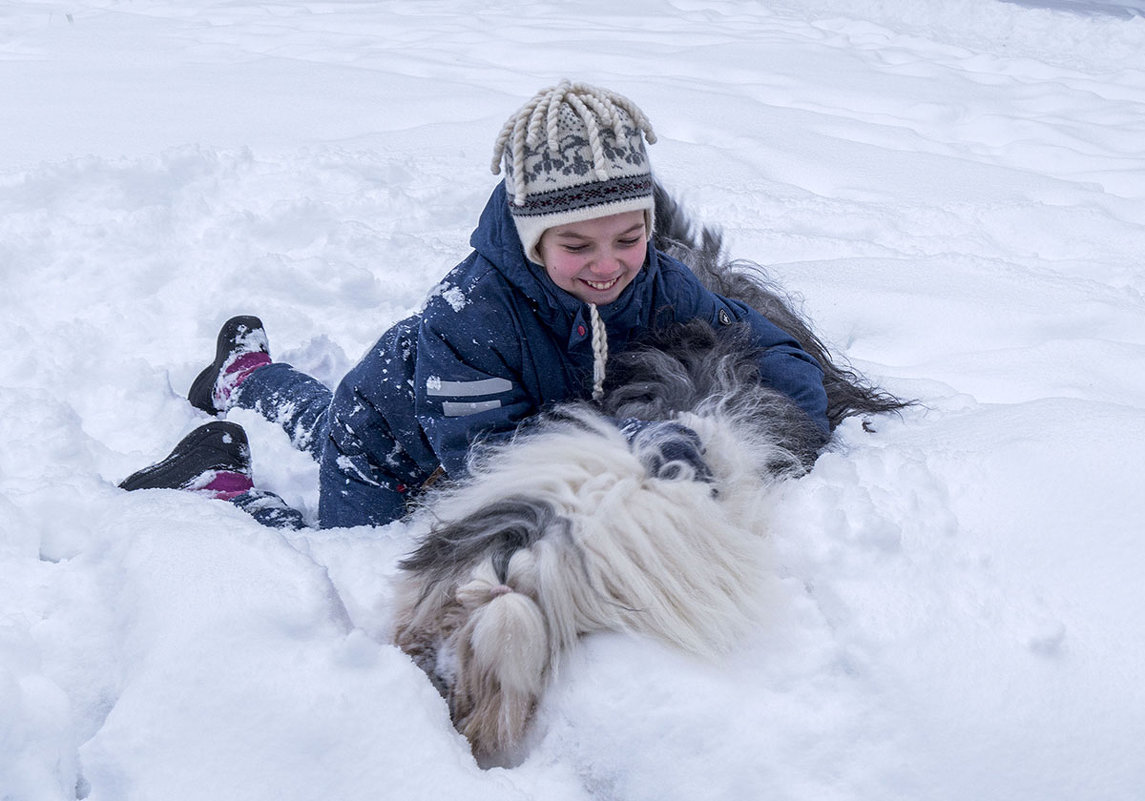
668 450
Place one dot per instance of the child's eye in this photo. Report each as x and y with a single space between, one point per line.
575 248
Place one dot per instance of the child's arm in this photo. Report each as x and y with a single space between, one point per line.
787 367
465 385
784 366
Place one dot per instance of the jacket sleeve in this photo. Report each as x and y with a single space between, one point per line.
784 365
466 383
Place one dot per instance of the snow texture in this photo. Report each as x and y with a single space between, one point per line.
956 189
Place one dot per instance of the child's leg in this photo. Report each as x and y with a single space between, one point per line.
269 509
365 477
214 461
374 456
292 399
243 375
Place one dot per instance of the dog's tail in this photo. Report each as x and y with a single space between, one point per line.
503 652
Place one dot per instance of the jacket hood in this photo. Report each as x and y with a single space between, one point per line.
496 240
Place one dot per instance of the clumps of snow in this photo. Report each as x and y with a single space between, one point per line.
956 190
451 294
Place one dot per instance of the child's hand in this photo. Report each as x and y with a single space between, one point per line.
668 450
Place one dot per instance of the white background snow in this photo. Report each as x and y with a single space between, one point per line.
955 188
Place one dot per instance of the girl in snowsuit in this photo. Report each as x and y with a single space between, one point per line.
562 273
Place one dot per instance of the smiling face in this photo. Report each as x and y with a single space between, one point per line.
596 259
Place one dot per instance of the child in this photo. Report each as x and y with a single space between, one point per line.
563 272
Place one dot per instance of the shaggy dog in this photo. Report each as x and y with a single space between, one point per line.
582 523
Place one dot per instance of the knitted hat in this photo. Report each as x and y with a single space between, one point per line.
573 153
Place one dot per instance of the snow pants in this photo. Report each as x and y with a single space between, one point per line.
365 475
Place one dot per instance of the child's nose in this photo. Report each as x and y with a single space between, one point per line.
607 264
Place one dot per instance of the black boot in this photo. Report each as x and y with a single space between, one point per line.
241 347
214 457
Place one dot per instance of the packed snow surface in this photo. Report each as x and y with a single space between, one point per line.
954 188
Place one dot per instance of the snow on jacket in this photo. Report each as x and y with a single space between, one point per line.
496 342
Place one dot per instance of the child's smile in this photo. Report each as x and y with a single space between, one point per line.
596 259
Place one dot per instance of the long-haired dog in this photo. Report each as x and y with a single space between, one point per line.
582 524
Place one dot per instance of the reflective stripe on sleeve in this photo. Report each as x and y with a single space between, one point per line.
467 389
463 409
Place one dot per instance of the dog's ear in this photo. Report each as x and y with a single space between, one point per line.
500 650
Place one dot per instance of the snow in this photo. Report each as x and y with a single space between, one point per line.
955 190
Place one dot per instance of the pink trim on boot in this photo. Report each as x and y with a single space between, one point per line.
235 373
226 485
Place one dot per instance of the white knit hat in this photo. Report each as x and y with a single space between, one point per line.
573 153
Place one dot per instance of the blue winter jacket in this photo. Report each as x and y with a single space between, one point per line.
496 342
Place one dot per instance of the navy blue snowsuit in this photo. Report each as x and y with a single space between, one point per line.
496 342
